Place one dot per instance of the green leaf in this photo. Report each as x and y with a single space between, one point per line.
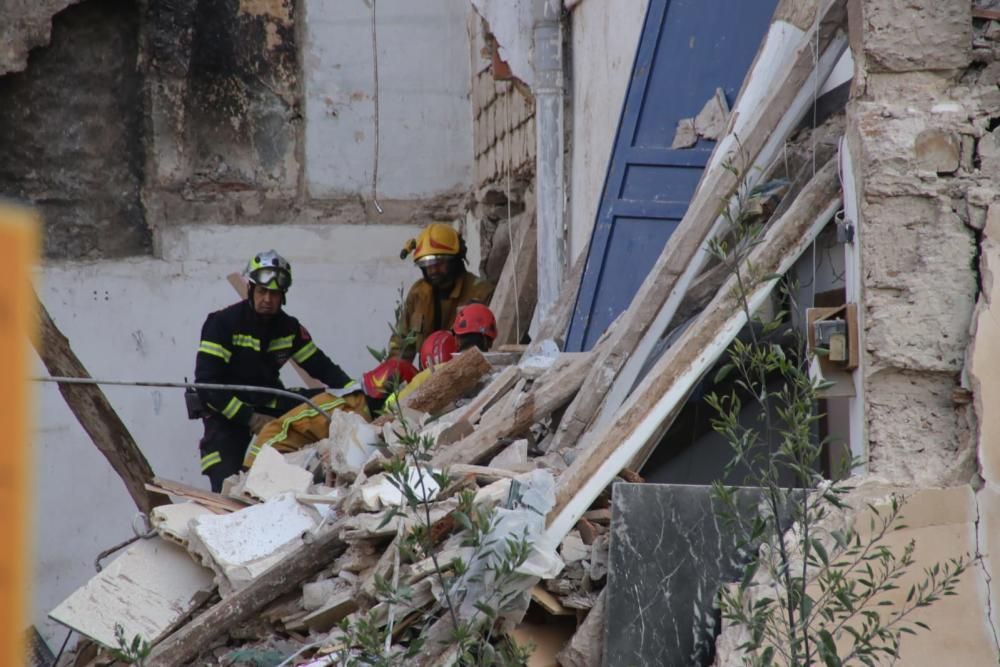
724 372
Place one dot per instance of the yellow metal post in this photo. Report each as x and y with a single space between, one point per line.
18 254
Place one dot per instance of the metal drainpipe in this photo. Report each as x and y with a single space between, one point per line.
549 159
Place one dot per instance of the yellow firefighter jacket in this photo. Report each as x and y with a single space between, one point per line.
423 313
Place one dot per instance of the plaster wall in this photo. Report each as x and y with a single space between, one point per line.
139 319
605 36
916 124
425 116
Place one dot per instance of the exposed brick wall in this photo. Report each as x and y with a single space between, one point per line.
504 128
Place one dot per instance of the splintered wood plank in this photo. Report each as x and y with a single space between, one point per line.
500 385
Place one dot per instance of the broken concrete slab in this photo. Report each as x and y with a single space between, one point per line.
147 589
514 457
379 492
270 475
685 136
335 608
318 594
172 521
351 442
242 545
573 549
711 121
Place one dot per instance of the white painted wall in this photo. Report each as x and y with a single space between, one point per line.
605 37
140 319
425 116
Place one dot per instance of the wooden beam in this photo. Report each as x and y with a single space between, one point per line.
94 412
198 634
500 385
449 382
514 299
690 357
548 394
755 135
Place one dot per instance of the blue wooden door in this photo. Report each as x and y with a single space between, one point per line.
688 48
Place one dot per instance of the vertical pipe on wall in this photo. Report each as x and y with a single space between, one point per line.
549 166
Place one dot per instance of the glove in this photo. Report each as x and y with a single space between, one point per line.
258 421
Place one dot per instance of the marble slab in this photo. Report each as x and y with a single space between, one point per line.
669 552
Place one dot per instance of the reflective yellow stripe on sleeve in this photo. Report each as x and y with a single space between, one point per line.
243 340
214 349
287 422
232 408
283 343
209 460
308 350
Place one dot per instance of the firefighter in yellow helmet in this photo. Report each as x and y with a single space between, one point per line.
433 301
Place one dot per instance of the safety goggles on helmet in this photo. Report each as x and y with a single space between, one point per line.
276 279
431 260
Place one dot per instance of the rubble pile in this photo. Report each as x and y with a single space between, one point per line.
208 549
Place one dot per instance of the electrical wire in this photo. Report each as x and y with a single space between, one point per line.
185 385
375 100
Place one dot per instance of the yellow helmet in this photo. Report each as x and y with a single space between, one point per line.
437 241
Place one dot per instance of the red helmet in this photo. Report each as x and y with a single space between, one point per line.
387 376
475 318
438 348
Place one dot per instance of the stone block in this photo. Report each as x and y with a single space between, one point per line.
915 434
919 285
910 35
937 151
988 152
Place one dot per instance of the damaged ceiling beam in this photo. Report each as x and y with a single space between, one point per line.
683 364
757 129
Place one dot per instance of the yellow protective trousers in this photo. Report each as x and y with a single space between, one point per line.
303 426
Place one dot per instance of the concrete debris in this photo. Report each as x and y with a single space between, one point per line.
172 522
514 457
242 545
710 123
364 523
685 136
270 475
350 444
147 589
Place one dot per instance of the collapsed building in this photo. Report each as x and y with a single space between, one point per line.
162 142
